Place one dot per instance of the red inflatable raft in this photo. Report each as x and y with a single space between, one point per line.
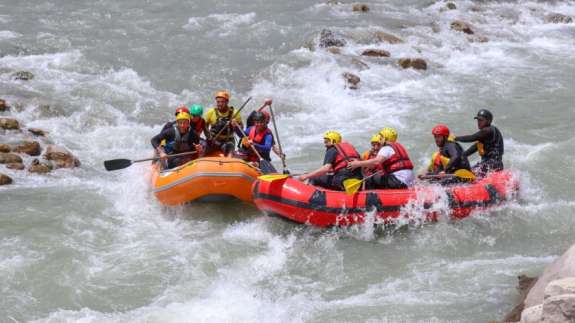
303 203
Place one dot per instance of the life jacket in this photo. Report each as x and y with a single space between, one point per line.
221 123
345 153
398 161
258 138
441 159
492 149
438 162
181 143
367 155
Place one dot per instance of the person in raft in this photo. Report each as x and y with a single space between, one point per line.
449 158
197 123
184 140
488 143
221 121
258 136
396 167
334 170
250 122
375 143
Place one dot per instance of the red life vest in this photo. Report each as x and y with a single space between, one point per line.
258 138
398 161
345 153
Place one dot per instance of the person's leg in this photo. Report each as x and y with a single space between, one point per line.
324 181
387 181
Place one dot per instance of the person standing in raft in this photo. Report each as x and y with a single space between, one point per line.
448 159
488 142
184 140
259 136
221 121
397 168
334 172
371 154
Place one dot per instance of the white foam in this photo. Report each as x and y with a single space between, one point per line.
7 34
222 25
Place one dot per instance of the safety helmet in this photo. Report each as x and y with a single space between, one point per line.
440 130
375 138
484 114
183 115
388 134
196 110
332 136
223 94
183 108
260 116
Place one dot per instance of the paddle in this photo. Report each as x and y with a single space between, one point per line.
461 173
265 166
231 118
115 164
285 171
276 177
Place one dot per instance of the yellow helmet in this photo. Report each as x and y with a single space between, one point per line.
333 136
223 94
388 134
183 115
375 138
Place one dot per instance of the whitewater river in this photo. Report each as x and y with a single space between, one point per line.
94 246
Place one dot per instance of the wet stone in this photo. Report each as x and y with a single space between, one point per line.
4 148
558 18
328 39
31 148
352 80
382 36
360 7
23 75
37 132
9 124
3 105
461 26
7 158
5 179
375 53
16 166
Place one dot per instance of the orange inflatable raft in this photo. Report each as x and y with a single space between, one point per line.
304 203
208 178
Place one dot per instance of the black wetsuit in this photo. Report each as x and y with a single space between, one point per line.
457 160
335 181
492 140
184 144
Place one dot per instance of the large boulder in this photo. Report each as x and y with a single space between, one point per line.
525 283
5 179
328 39
415 63
559 309
561 268
461 26
382 36
31 148
61 157
7 158
16 166
9 124
557 18
3 105
23 75
4 148
360 7
351 80
530 315
375 53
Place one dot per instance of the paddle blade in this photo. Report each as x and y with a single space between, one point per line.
115 164
266 167
352 185
465 174
273 177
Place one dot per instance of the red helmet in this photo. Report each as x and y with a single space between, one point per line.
440 130
183 108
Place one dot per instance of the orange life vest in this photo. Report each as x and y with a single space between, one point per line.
398 161
345 153
258 138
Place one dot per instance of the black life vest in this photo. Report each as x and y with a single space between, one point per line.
182 143
492 148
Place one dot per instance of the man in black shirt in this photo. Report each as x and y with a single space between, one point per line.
488 142
184 140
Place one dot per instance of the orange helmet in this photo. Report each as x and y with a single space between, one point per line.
223 94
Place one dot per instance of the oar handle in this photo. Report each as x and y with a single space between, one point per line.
232 118
167 156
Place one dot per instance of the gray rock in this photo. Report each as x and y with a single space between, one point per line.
450 6
23 75
382 36
39 168
334 50
557 18
9 124
560 287
461 26
525 283
61 157
328 39
375 53
559 309
37 132
561 268
415 63
7 158
31 148
3 105
351 80
5 179
360 7
4 148
531 314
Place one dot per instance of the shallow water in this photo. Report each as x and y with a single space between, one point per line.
91 245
